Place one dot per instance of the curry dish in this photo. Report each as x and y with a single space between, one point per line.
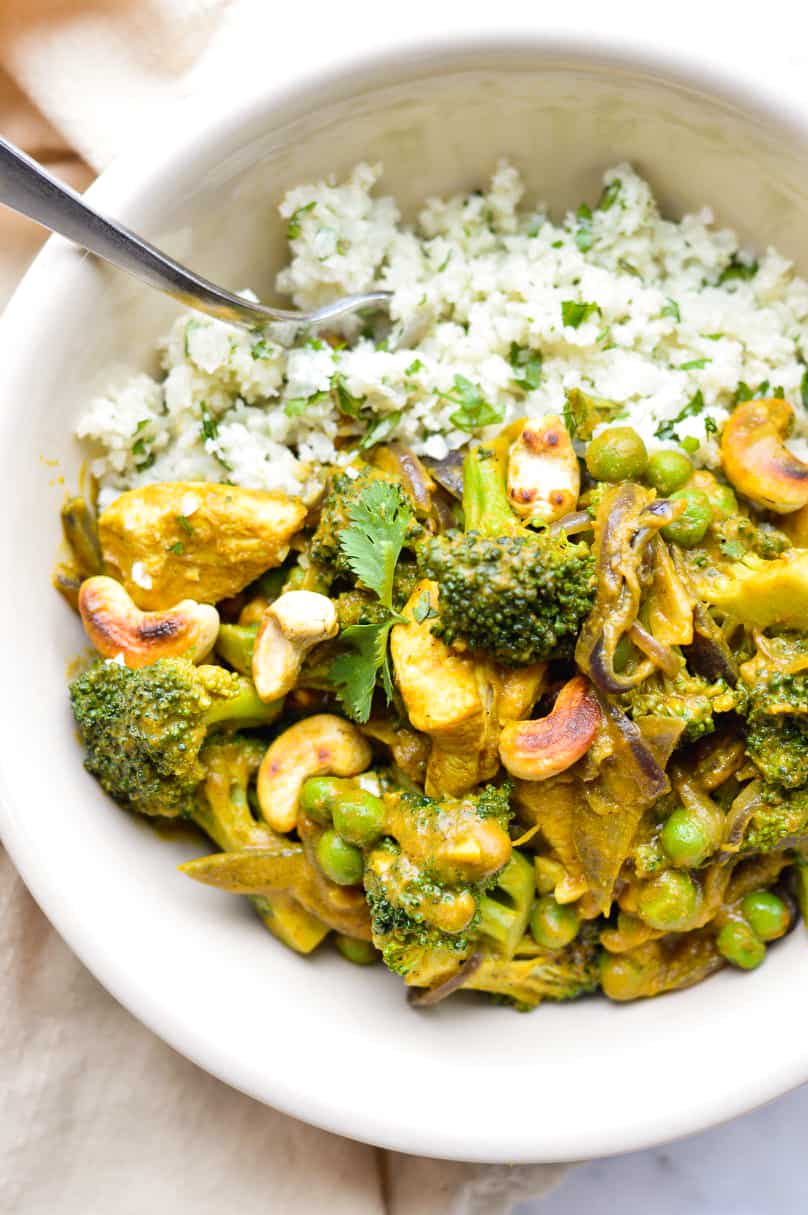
530 721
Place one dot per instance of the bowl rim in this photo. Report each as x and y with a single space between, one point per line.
118 187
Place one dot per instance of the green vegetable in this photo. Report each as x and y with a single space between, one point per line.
691 528
767 915
318 797
504 910
583 413
777 727
359 818
583 232
474 411
740 945
361 953
293 226
668 471
517 594
617 454
736 270
143 729
527 364
340 862
669 901
687 839
235 644
671 309
691 699
667 430
552 924
575 312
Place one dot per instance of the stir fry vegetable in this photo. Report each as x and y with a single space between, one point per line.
533 724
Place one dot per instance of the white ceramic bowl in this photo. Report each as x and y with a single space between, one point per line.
331 1043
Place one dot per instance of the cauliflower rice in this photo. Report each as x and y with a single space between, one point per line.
496 312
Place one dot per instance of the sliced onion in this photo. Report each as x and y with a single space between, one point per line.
606 679
434 995
651 779
572 524
660 654
448 472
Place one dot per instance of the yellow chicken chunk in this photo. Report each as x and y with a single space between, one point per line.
444 699
194 540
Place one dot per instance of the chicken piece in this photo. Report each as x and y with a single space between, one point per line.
194 540
449 696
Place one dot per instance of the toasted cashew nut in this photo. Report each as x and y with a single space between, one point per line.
323 745
756 460
544 478
115 626
536 750
289 628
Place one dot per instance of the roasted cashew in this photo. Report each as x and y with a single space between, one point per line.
115 626
323 745
756 460
544 478
289 627
536 750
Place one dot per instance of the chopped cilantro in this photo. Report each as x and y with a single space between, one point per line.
575 312
293 227
177 549
527 365
415 366
262 349
667 430
381 430
610 195
737 270
423 609
804 388
185 524
348 405
710 426
209 425
583 233
671 309
694 364
474 411
627 267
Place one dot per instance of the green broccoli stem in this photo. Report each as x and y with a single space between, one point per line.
485 499
505 908
244 709
235 644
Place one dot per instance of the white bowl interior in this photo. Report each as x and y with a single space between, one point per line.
334 1044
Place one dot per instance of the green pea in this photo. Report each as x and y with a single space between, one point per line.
668 471
339 861
624 976
317 798
686 839
723 502
739 945
767 915
669 901
553 924
691 445
618 454
360 818
691 527
361 953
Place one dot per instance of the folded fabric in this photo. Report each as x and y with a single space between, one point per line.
99 1115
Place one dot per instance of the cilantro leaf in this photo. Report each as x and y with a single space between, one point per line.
381 429
671 309
474 411
737 270
667 430
610 195
353 673
575 312
372 541
349 405
804 388
293 226
423 609
694 365
527 364
209 425
583 233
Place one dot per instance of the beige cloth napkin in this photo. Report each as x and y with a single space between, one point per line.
98 1115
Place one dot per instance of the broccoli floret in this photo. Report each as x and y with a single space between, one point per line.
563 974
518 594
781 817
776 707
433 884
687 698
343 493
143 729
221 807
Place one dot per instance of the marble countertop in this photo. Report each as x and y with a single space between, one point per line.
754 1165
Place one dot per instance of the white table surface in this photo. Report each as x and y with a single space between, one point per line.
755 1165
